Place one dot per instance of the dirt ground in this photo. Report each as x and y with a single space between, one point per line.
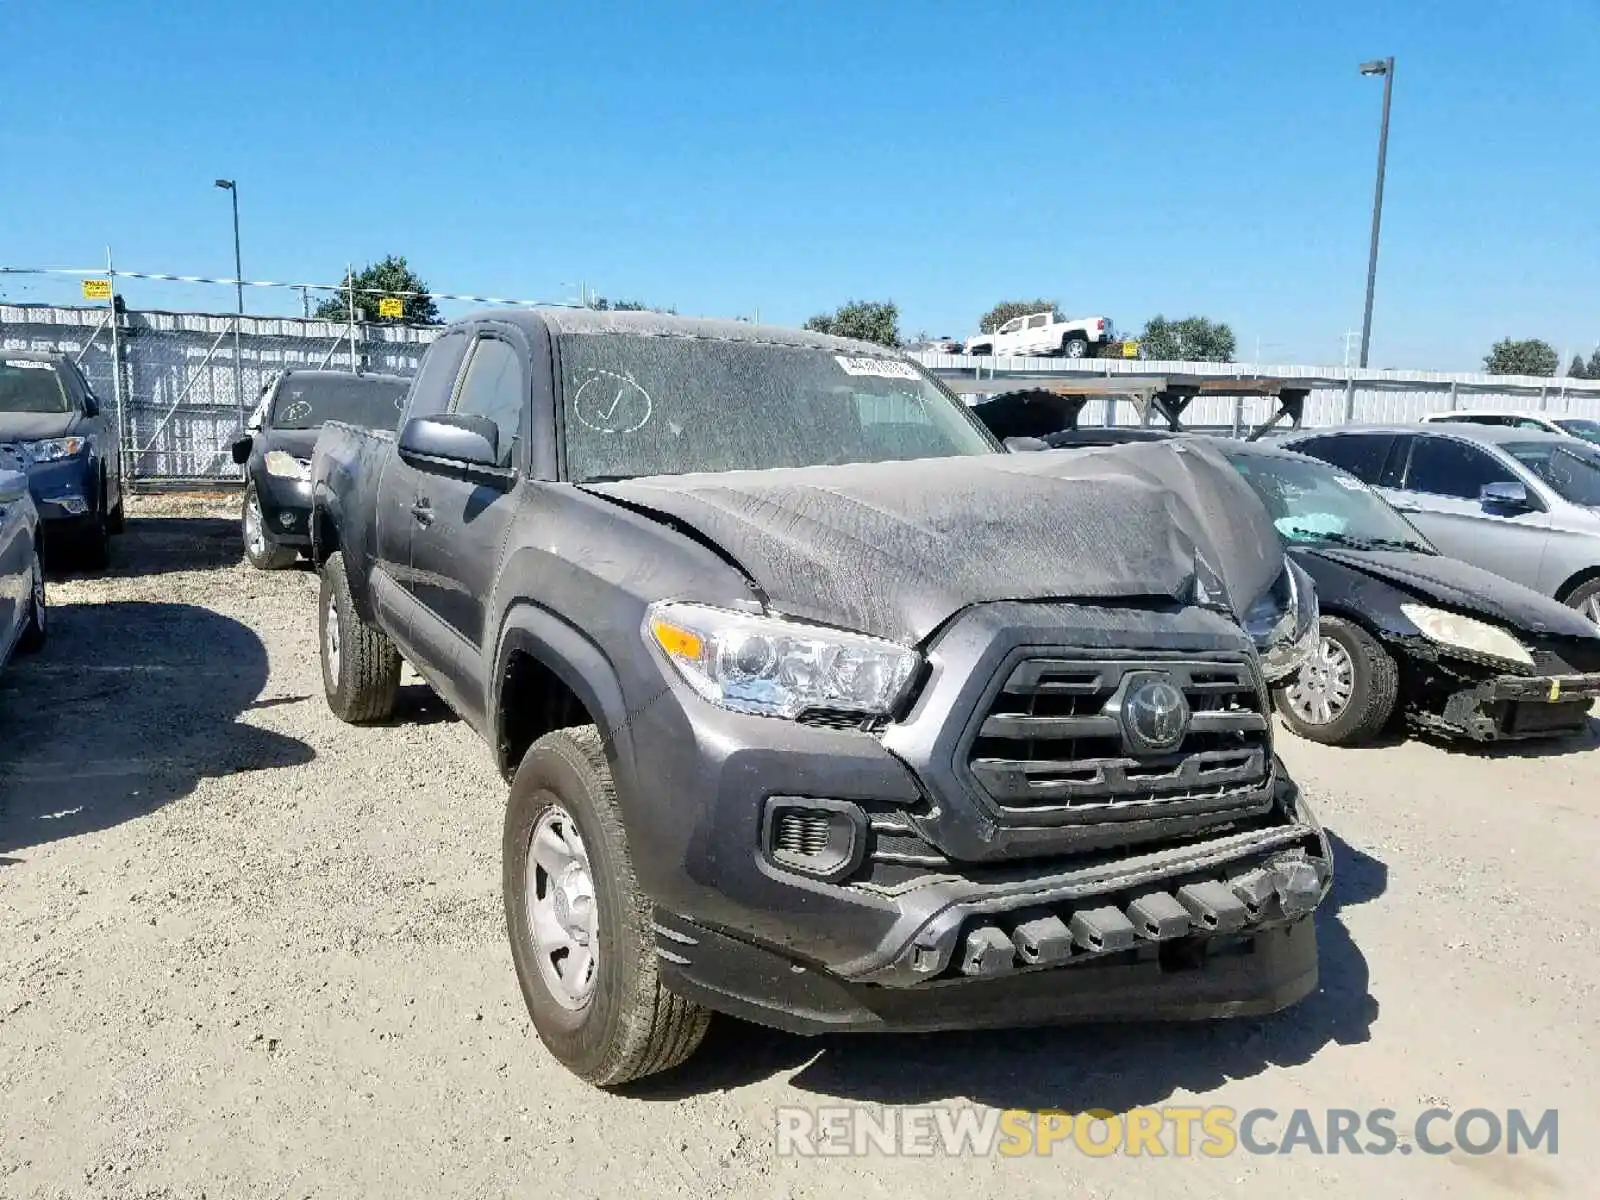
247 951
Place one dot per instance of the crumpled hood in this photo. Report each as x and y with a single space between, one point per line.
897 548
1462 586
30 427
298 442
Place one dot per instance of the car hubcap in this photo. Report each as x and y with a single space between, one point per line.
1324 686
1074 350
562 914
1591 608
253 524
330 638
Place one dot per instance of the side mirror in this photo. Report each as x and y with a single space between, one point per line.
242 449
91 406
453 439
13 486
1512 497
1019 445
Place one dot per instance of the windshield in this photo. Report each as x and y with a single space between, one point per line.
30 386
305 403
1588 430
1313 502
1574 472
640 405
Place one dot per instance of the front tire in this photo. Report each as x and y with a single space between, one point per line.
37 627
1346 693
1586 599
360 665
579 925
261 551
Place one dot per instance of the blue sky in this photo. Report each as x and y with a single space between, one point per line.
731 158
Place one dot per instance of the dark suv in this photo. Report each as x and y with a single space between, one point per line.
815 707
51 420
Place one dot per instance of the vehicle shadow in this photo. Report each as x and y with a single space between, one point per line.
159 545
1114 1067
129 706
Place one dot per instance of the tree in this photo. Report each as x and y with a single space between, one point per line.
1577 370
601 304
1007 309
866 320
1594 365
1531 356
1193 339
390 277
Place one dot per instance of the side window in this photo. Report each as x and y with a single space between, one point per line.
1011 326
1361 454
1445 467
1038 322
492 387
430 391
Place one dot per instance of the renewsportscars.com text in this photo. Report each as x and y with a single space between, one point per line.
1172 1131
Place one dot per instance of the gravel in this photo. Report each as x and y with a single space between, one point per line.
246 950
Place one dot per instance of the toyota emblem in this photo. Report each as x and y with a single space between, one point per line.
1155 715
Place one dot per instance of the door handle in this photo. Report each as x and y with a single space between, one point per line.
423 512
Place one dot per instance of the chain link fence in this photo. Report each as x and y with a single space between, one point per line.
184 382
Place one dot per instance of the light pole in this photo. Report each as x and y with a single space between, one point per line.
238 280
1384 67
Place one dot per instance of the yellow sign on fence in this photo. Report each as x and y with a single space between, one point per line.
97 289
390 306
1130 349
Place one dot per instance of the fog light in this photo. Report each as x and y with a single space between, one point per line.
286 519
74 506
823 838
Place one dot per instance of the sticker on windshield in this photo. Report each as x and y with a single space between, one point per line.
298 411
27 364
607 402
881 368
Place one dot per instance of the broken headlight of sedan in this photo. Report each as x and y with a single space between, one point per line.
775 668
1467 637
1283 623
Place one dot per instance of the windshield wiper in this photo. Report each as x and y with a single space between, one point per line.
1358 543
606 478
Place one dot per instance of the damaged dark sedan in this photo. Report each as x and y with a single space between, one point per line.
1408 632
1410 636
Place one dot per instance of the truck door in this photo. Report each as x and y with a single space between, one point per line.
459 538
398 488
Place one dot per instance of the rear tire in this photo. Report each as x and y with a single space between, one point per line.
608 1019
1075 347
360 665
1346 694
117 521
37 627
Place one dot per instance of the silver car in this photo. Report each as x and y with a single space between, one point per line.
1519 502
22 599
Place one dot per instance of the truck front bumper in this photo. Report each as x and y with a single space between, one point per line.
285 509
1514 707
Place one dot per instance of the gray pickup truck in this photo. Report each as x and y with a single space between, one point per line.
818 706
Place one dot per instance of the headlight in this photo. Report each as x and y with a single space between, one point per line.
56 449
286 466
778 668
1476 638
1283 623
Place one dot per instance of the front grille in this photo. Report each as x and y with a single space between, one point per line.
1052 736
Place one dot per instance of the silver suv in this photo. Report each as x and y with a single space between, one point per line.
1519 502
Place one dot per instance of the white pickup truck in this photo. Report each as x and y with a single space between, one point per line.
1046 333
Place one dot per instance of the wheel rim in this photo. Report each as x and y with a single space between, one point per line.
255 537
330 639
1591 608
1074 349
39 606
1326 682
563 918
